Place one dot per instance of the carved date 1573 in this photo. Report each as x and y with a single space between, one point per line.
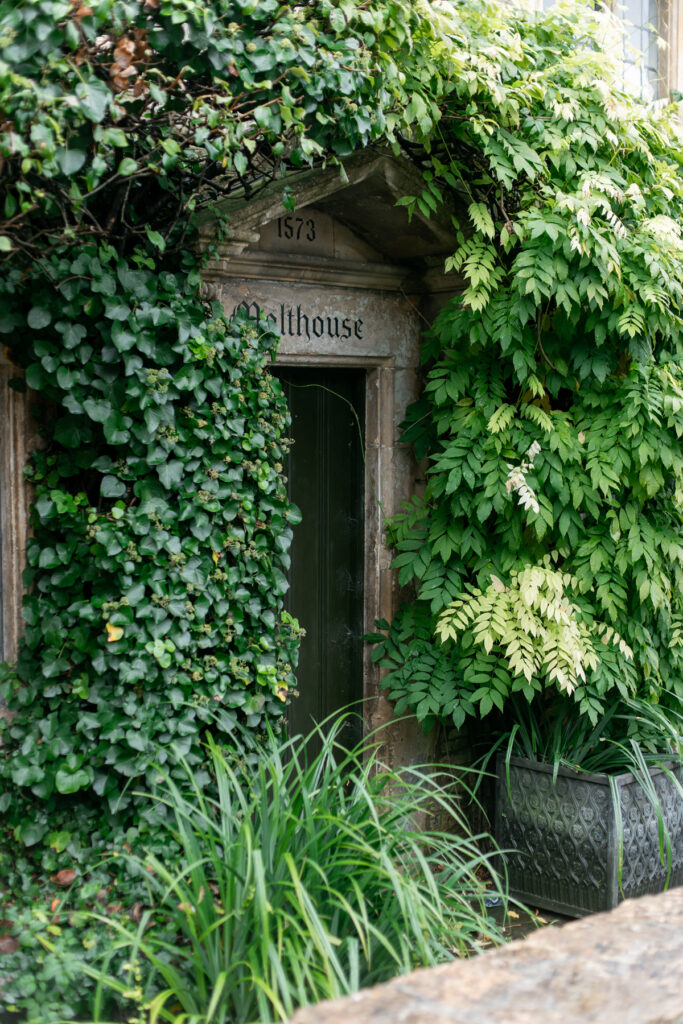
296 228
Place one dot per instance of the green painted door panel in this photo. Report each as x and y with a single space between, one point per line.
326 480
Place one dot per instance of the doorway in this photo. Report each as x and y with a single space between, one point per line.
326 475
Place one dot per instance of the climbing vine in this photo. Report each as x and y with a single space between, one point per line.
551 417
160 523
161 527
157 569
546 553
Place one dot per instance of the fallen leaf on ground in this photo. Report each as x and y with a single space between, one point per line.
8 944
64 877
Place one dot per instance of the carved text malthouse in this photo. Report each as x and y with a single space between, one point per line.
293 322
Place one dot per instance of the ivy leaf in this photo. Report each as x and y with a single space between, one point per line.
72 334
115 429
27 774
337 19
72 433
70 782
171 473
127 166
133 281
70 160
95 97
31 832
112 137
39 317
136 594
35 376
123 340
112 487
157 240
116 309
97 409
153 498
49 559
114 633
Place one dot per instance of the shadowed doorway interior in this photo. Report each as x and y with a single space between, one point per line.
325 473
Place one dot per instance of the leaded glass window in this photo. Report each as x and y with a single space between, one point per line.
644 66
642 70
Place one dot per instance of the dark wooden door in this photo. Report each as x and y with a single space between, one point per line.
326 481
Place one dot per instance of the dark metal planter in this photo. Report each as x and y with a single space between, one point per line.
560 841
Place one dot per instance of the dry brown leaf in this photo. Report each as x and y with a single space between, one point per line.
64 877
131 56
8 944
124 50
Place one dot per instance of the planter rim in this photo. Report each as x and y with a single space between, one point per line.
600 778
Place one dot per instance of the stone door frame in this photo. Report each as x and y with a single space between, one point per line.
399 262
378 588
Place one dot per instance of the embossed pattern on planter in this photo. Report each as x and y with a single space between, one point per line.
643 871
560 840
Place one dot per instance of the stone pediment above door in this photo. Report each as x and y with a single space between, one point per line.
308 245
344 229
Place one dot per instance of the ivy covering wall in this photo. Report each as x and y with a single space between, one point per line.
545 555
551 415
161 527
160 523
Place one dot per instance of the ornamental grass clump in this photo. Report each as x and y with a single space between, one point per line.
633 736
297 882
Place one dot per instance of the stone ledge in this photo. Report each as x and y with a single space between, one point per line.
620 967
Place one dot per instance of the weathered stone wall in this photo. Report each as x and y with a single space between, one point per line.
621 967
17 438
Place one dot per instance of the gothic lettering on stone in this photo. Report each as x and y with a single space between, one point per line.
298 322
